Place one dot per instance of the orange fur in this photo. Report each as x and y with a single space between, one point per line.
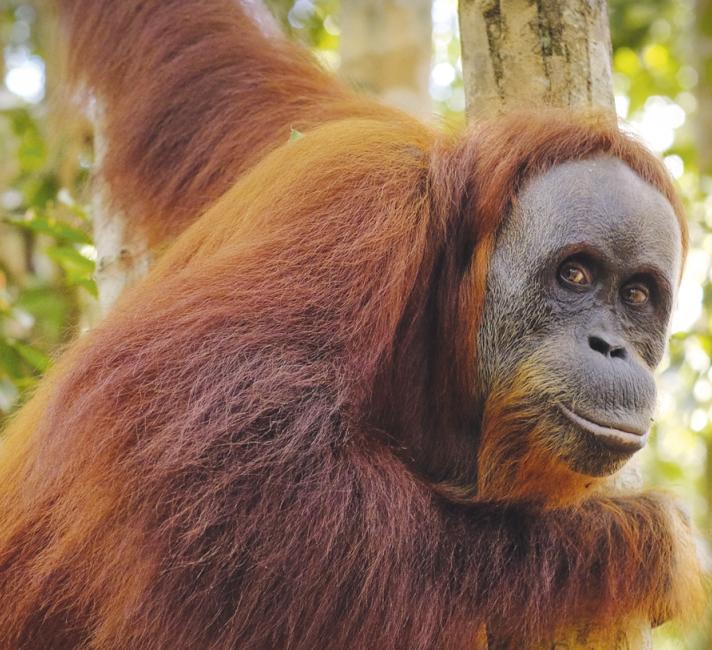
267 442
515 461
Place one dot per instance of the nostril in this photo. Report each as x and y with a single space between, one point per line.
618 353
603 347
599 345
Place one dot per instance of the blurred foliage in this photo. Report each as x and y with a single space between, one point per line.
659 61
659 47
312 21
46 267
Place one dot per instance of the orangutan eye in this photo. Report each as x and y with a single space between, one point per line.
635 294
575 274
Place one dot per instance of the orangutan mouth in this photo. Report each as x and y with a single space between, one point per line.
617 437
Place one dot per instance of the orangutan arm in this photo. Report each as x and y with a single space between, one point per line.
525 572
601 562
192 94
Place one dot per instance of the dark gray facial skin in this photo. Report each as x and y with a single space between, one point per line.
579 293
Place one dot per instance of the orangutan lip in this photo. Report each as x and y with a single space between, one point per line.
616 437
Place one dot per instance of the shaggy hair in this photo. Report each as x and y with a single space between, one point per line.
255 449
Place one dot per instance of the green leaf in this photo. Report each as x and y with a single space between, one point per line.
72 262
52 309
10 361
60 230
38 190
38 360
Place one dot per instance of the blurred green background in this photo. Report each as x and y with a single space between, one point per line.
663 81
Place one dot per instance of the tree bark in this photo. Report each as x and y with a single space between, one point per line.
122 254
386 50
524 53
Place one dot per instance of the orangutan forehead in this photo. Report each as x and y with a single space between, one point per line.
601 202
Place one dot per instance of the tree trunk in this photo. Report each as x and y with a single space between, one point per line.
122 254
524 53
386 50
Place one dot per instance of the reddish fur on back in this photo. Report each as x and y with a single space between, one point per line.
252 450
